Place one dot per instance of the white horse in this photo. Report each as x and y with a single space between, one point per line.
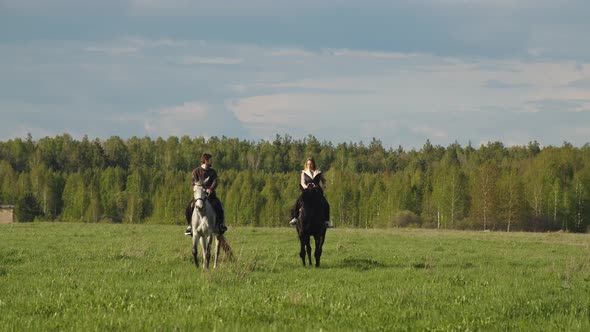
203 223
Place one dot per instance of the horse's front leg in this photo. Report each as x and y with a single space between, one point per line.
217 246
302 249
205 249
319 243
308 249
209 242
194 223
195 249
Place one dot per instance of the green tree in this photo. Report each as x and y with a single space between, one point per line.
270 197
27 208
484 195
75 198
511 199
8 179
136 196
111 188
116 152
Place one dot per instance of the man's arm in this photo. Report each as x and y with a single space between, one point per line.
195 176
213 180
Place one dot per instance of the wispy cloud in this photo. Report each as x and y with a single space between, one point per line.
210 61
495 84
290 52
176 119
270 109
581 83
113 50
369 54
397 70
559 105
430 131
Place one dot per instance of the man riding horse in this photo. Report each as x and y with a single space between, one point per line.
208 177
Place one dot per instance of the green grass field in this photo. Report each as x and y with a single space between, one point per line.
102 277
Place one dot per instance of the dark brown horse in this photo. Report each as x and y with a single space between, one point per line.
311 222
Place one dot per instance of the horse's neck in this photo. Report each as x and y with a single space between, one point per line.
207 211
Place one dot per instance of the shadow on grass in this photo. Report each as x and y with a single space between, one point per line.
361 264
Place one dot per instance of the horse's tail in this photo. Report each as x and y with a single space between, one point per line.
226 248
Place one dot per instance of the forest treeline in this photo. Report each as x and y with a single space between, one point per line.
145 180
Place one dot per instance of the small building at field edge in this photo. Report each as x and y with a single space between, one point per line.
6 214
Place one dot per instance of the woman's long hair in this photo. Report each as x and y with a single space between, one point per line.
312 164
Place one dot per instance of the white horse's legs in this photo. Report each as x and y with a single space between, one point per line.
206 252
203 222
196 249
194 221
217 246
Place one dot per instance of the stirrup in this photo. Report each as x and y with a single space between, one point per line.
293 222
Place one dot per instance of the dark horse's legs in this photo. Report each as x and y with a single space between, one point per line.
305 249
319 243
305 242
308 249
302 249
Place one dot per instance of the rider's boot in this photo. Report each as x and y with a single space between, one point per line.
221 224
188 212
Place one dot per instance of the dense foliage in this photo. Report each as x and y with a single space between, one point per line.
142 180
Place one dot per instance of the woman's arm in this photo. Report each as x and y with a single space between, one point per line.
302 181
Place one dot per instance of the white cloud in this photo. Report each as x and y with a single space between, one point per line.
272 109
430 131
348 96
176 120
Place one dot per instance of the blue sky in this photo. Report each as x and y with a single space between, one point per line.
342 71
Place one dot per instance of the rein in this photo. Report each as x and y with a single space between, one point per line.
201 199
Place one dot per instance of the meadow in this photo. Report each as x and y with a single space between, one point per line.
113 277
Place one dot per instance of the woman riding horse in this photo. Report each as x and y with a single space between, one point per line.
311 224
311 177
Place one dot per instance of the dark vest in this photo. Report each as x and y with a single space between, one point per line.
316 180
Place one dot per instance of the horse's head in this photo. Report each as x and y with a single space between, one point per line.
199 194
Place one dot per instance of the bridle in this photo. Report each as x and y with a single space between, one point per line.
201 199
